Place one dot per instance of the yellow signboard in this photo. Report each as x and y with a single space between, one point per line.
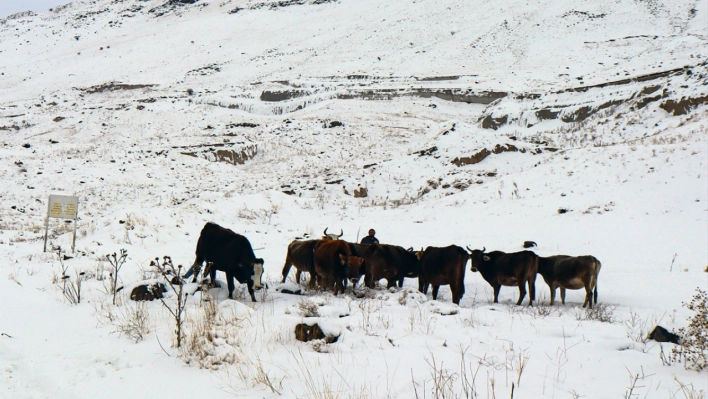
63 206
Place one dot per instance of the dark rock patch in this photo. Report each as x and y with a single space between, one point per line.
242 124
148 292
682 106
306 333
427 152
660 334
115 86
483 153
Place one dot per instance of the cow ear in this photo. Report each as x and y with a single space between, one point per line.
486 258
343 258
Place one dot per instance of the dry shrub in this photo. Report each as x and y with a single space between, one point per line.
212 338
693 350
600 312
133 321
308 308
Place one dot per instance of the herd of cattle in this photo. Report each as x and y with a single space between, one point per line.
332 262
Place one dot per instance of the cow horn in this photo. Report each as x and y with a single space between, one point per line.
341 233
484 249
468 248
325 232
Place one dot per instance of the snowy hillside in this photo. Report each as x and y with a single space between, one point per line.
582 126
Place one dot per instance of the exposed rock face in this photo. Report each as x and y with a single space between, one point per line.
483 153
569 106
234 154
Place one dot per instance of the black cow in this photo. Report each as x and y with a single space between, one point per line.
571 272
230 253
441 266
514 269
391 262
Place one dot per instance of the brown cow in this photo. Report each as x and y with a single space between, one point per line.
391 262
441 266
301 254
571 272
334 264
514 269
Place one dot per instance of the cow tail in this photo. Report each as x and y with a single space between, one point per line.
598 266
533 281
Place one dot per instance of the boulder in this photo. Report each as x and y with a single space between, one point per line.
660 334
148 292
305 333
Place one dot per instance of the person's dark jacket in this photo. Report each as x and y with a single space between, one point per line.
368 240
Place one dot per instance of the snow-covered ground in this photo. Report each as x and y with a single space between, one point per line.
466 122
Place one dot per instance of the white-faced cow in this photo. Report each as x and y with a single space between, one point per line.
230 253
441 266
514 269
571 272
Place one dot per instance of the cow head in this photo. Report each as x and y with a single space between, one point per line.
332 236
257 273
353 264
419 254
477 258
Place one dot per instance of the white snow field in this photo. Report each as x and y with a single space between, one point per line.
582 126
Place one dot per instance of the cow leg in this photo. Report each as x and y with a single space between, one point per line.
553 294
435 291
230 283
337 285
588 295
286 270
298 274
562 295
458 291
196 268
212 275
249 284
423 286
522 292
496 288
372 280
314 278
532 289
400 282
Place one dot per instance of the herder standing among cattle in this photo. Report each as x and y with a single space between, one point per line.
370 239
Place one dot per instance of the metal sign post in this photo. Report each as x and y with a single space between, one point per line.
62 207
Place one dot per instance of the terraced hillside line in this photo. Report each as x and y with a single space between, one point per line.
454 95
115 86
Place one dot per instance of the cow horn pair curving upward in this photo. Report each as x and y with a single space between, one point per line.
332 235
